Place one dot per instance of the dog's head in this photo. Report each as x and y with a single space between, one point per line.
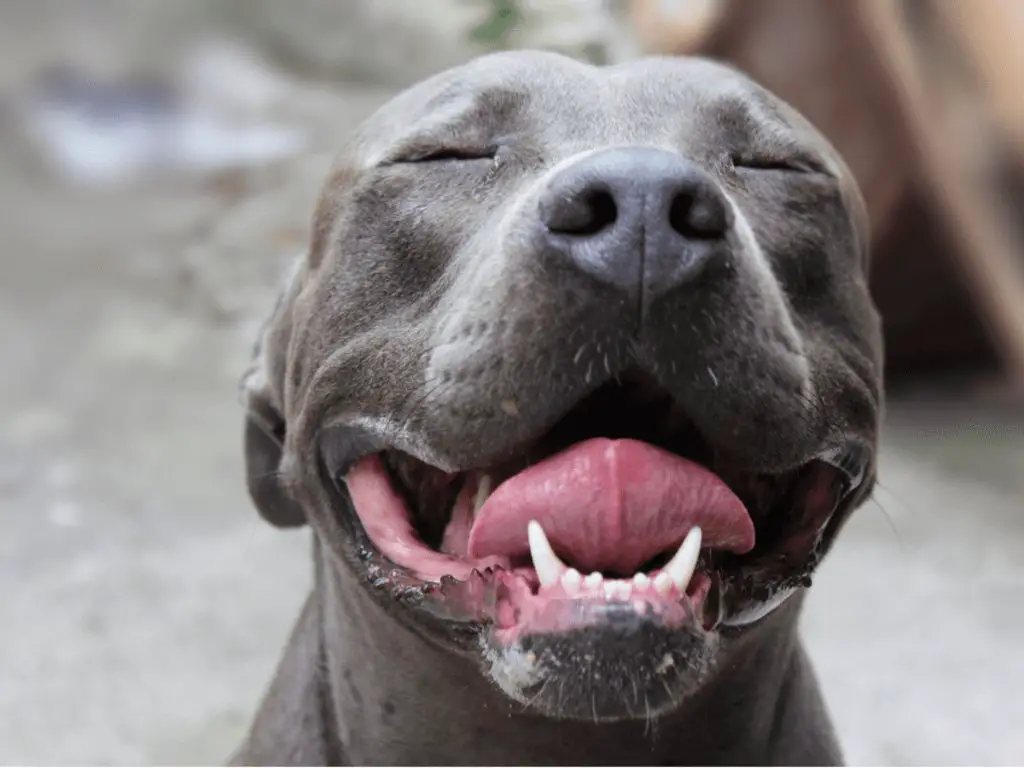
580 374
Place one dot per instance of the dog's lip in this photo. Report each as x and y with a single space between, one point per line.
752 612
461 602
851 457
747 591
346 440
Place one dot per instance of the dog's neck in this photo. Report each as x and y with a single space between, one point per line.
393 697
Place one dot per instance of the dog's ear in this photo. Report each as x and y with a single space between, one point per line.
265 422
264 391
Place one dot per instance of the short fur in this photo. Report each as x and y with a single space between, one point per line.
422 319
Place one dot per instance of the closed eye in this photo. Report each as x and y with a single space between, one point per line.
447 154
785 165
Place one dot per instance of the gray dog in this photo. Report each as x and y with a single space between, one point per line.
576 385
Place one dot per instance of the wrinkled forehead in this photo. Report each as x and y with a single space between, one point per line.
560 103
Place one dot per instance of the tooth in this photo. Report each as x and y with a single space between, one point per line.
624 589
610 590
662 583
593 581
571 581
683 563
483 490
549 568
641 581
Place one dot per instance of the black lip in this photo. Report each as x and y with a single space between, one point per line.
342 446
853 459
441 613
754 584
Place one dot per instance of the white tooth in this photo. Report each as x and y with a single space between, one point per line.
624 590
549 568
483 490
663 583
593 581
680 568
641 581
610 590
571 581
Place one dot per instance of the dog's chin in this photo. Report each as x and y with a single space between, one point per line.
609 661
578 606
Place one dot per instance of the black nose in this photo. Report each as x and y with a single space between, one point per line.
641 220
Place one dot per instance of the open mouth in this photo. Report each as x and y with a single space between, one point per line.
623 505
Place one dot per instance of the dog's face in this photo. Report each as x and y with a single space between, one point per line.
580 374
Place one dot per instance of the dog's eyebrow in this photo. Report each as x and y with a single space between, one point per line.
747 119
459 115
756 125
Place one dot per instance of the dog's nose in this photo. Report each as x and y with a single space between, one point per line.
642 220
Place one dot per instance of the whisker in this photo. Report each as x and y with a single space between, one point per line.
885 513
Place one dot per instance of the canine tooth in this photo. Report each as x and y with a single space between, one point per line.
549 568
680 568
483 490
571 582
662 583
593 581
641 581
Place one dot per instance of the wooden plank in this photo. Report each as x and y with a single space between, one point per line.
673 28
990 31
986 248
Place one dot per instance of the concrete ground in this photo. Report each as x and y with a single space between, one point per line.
143 604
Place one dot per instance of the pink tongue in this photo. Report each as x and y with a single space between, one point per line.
611 505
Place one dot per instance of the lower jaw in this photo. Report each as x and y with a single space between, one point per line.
582 658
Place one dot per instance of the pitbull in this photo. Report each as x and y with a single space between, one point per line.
576 385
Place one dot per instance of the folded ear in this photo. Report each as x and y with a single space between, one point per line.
265 423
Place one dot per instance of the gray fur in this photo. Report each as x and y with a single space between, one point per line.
423 317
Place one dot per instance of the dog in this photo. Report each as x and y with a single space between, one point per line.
577 383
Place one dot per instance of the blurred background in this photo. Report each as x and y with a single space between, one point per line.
158 167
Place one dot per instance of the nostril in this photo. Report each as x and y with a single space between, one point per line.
603 211
587 214
697 217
